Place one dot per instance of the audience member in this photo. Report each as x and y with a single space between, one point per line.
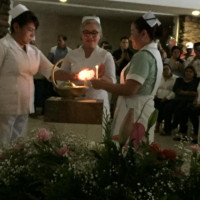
89 54
177 64
122 56
56 53
60 51
164 93
189 52
176 111
106 45
195 61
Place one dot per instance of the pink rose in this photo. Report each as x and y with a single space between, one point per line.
63 150
137 134
43 135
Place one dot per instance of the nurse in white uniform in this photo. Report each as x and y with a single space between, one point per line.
141 77
89 54
19 62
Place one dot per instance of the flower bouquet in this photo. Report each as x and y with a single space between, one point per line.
52 166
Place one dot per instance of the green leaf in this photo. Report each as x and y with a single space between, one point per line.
152 119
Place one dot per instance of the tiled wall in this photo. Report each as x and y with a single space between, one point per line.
4 7
189 29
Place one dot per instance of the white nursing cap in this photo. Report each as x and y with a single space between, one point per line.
151 19
189 45
17 10
91 17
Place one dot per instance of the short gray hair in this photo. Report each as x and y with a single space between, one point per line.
90 21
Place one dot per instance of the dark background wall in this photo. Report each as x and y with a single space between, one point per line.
52 24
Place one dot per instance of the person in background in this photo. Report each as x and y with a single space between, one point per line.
88 55
177 64
123 55
176 111
140 79
19 62
56 53
189 52
195 60
164 93
60 51
106 45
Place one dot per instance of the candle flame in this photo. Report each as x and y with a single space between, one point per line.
86 74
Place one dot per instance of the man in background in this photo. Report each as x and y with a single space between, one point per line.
60 51
106 45
189 52
123 55
56 53
195 60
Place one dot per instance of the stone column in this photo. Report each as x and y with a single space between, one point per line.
4 17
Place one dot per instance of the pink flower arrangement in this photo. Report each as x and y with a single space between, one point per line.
43 135
64 150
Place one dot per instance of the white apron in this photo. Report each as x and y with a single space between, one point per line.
138 101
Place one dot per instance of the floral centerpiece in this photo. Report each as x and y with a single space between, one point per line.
52 166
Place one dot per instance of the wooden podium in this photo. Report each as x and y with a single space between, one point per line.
81 111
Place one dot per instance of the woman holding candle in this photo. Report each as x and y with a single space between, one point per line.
140 79
90 55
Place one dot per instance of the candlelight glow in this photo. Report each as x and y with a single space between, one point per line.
97 69
86 74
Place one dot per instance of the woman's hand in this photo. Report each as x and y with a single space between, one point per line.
98 83
63 75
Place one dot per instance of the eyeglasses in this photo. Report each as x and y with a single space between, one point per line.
92 33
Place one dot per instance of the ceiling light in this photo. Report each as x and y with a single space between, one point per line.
196 12
63 1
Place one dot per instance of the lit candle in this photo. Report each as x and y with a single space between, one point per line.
97 71
85 82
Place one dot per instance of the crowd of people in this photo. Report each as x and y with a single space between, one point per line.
140 76
177 98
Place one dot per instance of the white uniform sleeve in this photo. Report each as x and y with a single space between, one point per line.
110 67
45 67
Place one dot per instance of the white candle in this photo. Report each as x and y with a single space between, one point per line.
97 71
85 82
